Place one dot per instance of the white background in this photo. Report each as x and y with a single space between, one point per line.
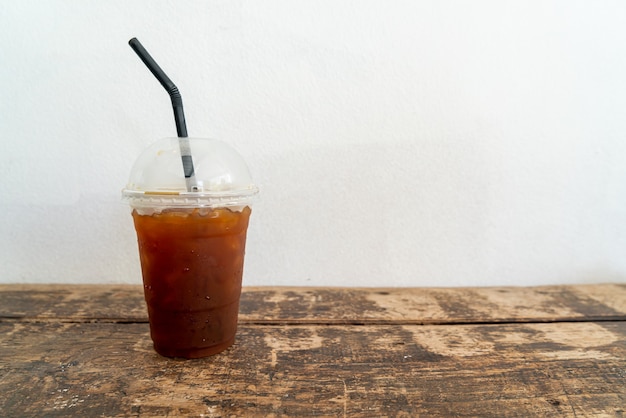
395 143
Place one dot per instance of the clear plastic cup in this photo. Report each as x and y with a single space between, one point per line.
191 244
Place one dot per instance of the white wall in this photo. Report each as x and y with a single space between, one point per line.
396 143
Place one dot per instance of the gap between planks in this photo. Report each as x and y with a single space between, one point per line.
326 322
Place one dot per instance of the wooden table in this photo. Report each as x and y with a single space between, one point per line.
543 351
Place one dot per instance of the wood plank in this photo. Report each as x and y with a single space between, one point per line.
109 369
124 303
73 302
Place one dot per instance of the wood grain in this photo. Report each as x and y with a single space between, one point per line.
335 305
322 352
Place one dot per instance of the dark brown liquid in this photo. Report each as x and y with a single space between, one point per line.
192 263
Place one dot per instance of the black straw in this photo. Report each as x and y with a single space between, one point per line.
177 105
177 100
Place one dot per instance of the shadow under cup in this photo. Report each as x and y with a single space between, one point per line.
192 266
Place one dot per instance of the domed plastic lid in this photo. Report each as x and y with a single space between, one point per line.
157 179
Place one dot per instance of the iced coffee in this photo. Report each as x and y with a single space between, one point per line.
191 245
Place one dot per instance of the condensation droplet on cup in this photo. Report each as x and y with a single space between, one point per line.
207 297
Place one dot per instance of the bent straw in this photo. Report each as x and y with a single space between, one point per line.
179 114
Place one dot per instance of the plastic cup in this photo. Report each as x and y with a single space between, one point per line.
191 244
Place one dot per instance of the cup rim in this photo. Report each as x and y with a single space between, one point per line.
183 199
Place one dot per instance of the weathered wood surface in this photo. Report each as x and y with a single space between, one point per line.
335 305
86 351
